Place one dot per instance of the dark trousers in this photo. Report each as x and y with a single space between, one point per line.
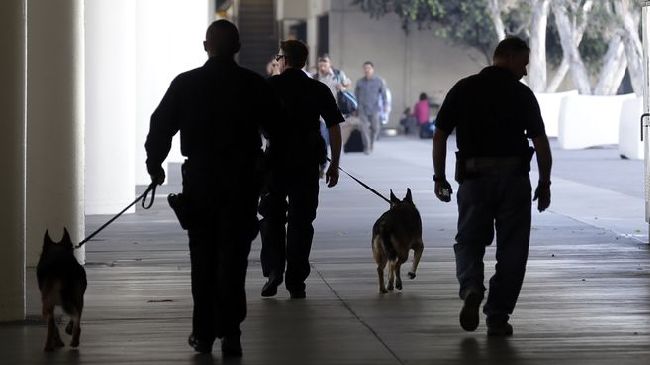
486 203
291 199
220 240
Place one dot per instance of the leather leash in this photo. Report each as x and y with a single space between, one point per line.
151 188
362 184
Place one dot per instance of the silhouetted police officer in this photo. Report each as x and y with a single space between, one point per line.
494 116
296 155
219 109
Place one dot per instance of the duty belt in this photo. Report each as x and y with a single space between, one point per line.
496 165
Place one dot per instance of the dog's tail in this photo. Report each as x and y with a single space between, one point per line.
387 241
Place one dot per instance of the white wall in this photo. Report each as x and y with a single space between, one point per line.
110 106
169 40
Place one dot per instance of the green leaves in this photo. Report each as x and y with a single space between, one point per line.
460 22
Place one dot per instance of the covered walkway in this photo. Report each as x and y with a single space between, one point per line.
586 298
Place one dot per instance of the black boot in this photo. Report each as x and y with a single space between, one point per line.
231 346
204 347
271 287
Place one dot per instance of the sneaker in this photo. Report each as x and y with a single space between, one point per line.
270 288
502 329
204 347
469 317
231 346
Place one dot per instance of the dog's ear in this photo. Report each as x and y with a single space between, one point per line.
408 196
46 239
393 198
66 237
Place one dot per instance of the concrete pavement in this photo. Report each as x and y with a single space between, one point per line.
586 298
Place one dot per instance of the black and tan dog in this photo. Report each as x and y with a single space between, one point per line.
62 281
396 232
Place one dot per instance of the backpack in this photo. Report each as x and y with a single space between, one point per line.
345 99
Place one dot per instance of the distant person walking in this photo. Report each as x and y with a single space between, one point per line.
219 109
296 154
370 91
335 79
494 116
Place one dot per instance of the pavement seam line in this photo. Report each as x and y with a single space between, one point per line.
349 308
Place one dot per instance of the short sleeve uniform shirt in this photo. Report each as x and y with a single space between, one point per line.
493 114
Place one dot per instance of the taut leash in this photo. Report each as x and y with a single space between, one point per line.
151 188
362 184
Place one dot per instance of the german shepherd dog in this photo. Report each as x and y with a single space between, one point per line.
396 232
62 281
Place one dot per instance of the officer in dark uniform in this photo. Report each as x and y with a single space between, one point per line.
219 109
494 116
296 156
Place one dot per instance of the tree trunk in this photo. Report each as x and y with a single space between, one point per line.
494 9
537 68
579 31
613 69
566 31
559 76
633 47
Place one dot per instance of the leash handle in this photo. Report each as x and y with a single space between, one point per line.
362 184
151 188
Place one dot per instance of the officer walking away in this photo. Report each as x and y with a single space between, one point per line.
296 154
370 91
494 116
220 179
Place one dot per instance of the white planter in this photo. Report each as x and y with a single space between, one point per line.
630 144
549 106
590 120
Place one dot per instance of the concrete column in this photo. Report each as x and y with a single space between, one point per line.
12 160
312 42
645 35
169 40
312 35
55 117
110 105
212 10
645 21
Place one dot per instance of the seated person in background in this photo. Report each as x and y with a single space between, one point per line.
408 121
422 114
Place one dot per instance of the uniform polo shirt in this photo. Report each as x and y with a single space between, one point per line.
493 113
305 101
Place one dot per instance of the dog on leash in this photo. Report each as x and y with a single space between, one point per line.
62 281
394 234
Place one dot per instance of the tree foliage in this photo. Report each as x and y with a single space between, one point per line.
601 24
467 23
460 22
